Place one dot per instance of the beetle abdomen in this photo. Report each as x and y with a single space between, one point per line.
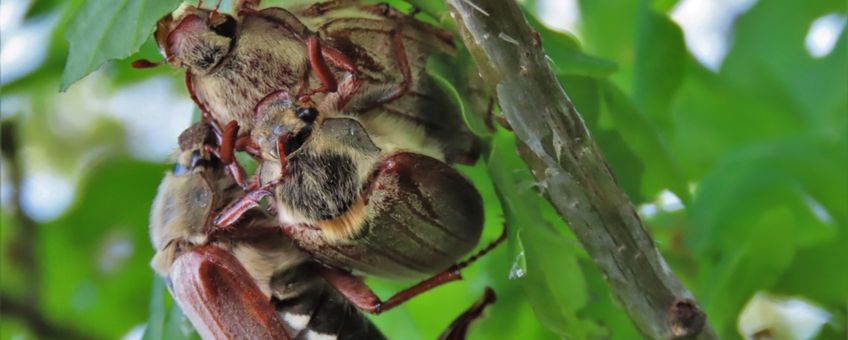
423 217
315 310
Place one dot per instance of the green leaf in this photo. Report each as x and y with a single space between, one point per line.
659 66
712 118
663 6
794 174
761 219
585 93
769 58
565 53
13 328
104 236
752 264
603 307
433 8
662 170
444 73
164 322
607 29
178 327
553 281
826 263
104 30
155 329
42 7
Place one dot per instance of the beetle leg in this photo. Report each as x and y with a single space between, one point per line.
319 64
318 57
226 153
238 174
399 52
339 59
459 327
217 7
245 143
228 142
360 295
301 85
235 210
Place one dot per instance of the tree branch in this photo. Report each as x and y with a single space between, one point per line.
580 186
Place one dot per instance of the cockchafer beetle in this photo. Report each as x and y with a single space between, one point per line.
358 207
378 54
247 281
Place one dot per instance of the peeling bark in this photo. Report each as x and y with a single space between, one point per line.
580 185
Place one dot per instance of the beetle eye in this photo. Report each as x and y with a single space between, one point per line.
178 169
307 114
226 28
195 159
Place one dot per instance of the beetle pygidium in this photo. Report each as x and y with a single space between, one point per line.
378 54
249 282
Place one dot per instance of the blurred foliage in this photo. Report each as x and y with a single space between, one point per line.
757 152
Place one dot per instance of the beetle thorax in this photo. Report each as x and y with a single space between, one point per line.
257 65
197 46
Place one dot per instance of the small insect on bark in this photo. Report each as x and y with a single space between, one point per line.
246 282
356 207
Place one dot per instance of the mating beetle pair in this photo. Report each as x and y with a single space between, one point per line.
357 183
250 280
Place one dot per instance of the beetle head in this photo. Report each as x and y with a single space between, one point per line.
186 200
196 38
279 119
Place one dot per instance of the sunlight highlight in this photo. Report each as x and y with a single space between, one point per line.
708 27
824 33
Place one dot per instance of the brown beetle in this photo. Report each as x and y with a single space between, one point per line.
247 281
356 206
328 173
352 58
